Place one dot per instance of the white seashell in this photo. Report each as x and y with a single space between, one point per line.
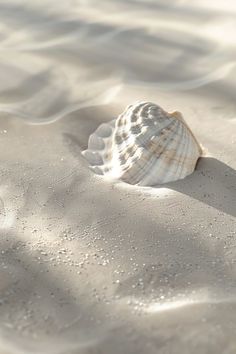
145 145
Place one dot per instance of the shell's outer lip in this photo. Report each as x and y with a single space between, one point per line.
178 115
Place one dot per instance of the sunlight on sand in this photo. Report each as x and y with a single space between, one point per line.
90 265
169 305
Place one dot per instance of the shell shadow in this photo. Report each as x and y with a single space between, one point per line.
213 183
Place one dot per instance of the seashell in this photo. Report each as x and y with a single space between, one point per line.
145 146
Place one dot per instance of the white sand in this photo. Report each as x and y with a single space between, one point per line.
93 267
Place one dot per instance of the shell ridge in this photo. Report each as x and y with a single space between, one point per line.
143 168
185 156
182 154
165 162
154 160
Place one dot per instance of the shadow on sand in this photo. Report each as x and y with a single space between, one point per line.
212 183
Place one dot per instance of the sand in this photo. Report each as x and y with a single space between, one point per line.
94 267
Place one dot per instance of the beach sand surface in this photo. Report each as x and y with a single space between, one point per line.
90 266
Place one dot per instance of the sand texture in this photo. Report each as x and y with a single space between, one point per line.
89 266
